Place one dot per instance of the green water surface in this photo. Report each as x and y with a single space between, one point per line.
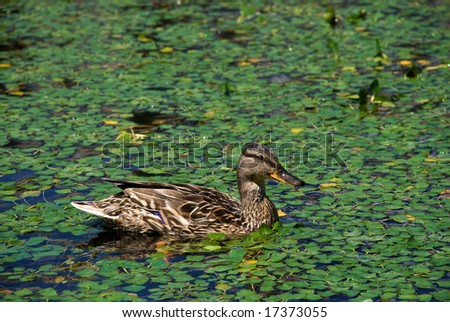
352 95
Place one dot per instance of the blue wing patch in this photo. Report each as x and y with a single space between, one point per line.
157 213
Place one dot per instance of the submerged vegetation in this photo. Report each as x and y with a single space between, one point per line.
354 96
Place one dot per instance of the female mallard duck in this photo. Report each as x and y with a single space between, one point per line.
190 211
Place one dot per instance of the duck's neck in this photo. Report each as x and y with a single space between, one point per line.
256 208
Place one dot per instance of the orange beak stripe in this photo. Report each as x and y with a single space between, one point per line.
287 178
276 176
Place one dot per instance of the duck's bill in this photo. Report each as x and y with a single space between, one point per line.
283 176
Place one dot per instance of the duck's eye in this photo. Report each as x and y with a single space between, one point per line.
260 157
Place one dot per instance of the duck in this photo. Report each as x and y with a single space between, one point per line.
190 211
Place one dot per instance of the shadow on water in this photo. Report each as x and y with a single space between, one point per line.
124 244
145 117
116 243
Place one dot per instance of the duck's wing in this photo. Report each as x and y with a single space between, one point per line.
192 202
164 207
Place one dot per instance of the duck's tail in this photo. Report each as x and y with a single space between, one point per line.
92 208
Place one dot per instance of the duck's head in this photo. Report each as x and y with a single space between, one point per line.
258 163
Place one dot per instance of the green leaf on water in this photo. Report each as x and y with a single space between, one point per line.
223 287
48 293
212 247
421 269
30 193
35 240
265 230
9 192
276 257
236 255
267 286
444 284
248 296
134 288
63 191
86 273
217 236
194 258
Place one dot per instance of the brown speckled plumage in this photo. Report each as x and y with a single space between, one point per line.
190 211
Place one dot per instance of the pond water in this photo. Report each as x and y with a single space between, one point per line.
353 97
